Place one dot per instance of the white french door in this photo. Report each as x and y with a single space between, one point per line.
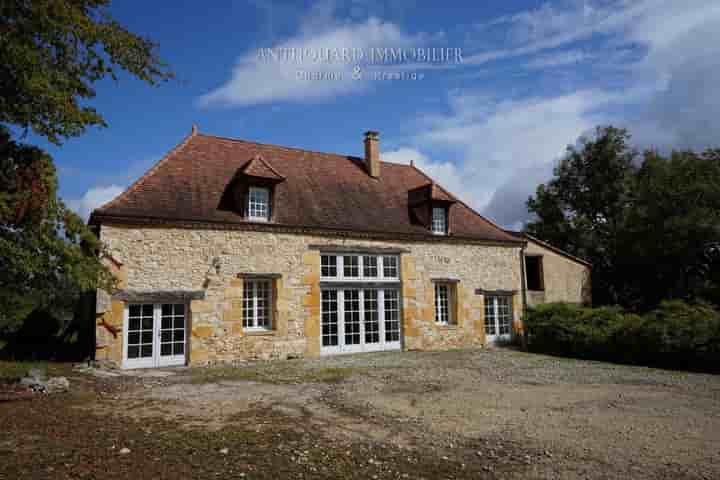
359 320
498 318
154 335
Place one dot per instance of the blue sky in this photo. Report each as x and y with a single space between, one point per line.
534 76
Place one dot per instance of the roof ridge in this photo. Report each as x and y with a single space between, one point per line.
298 149
412 165
150 171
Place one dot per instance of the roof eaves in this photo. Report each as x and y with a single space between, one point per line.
147 174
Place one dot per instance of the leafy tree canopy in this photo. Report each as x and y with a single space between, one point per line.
643 221
51 53
47 254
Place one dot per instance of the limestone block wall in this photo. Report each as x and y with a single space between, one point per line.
565 280
176 259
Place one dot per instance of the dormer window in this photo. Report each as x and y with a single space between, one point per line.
258 204
439 221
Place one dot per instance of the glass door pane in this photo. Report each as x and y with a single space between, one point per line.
372 318
139 347
392 315
352 317
329 318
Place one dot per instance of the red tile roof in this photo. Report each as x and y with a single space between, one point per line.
318 191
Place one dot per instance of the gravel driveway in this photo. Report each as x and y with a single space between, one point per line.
504 412
491 413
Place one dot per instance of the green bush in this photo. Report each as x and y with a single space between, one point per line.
675 335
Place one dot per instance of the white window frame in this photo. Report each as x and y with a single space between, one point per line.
361 260
439 224
252 321
256 204
383 344
446 309
492 306
157 359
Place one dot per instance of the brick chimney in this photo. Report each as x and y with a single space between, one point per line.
372 153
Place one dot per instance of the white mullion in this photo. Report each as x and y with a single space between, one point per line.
381 267
361 267
255 305
361 308
341 319
381 316
156 333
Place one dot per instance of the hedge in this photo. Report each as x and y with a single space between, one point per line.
675 335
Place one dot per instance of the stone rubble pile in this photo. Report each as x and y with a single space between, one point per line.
37 381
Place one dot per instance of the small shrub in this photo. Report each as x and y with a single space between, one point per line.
675 335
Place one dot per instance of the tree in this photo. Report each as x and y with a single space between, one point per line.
48 257
52 52
581 209
675 215
647 226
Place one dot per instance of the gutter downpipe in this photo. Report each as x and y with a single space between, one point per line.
523 337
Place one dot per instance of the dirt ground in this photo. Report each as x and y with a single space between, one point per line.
493 413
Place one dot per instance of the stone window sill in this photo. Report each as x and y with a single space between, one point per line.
446 327
259 333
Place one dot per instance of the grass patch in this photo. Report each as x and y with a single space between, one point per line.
15 370
277 372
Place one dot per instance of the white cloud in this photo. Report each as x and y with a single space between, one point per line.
257 80
446 174
93 198
670 97
559 59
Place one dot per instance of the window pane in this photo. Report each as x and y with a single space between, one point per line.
439 220
258 203
328 265
167 310
180 309
350 266
390 267
166 336
352 317
133 351
166 323
133 338
147 310
490 318
147 323
442 303
257 304
134 323
329 309
370 269
179 348
392 316
146 351
134 310
166 349
179 335
372 322
179 322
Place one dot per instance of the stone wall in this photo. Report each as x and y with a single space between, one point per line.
565 280
175 259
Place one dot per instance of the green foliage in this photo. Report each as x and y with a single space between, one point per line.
51 53
642 223
675 335
48 256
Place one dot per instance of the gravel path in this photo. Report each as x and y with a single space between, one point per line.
493 413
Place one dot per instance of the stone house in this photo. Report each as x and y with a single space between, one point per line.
230 250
